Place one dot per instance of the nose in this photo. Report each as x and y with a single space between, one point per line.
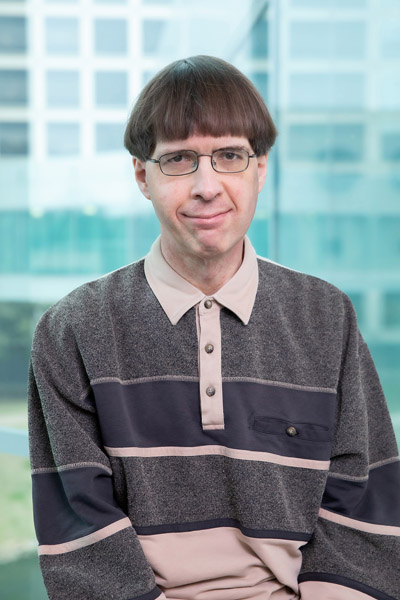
206 182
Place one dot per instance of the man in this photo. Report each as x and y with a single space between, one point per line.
206 424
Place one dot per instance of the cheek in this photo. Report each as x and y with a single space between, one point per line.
245 196
165 207
165 191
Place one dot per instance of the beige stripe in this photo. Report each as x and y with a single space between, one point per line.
212 407
315 590
287 461
61 468
223 563
97 536
283 384
382 463
348 477
376 465
360 525
143 379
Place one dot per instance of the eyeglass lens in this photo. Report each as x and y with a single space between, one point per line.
185 161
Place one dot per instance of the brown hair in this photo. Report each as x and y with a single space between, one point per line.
202 95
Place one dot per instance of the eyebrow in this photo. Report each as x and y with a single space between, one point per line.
233 147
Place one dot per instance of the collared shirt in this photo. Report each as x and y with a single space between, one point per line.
176 296
290 491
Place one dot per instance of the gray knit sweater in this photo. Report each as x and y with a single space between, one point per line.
131 495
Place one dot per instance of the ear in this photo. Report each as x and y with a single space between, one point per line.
262 170
140 175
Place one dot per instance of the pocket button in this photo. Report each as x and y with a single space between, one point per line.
292 431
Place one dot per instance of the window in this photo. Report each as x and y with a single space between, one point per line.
12 35
391 310
110 36
62 35
260 80
13 87
357 299
327 91
389 89
111 88
63 89
152 34
326 142
390 4
319 40
146 76
159 36
109 137
329 4
259 38
387 230
390 39
13 139
70 210
63 139
391 146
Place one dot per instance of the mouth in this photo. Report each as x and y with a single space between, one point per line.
207 219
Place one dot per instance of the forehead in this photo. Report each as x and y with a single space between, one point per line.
202 143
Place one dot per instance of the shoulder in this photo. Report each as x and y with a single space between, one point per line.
85 306
301 293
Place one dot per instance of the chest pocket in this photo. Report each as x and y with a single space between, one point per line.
292 437
305 431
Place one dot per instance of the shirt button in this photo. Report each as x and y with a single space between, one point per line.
208 303
292 431
210 391
209 348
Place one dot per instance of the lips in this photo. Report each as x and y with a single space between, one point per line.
207 217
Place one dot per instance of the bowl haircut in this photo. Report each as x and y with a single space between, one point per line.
201 95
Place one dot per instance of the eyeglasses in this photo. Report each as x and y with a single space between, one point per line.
184 162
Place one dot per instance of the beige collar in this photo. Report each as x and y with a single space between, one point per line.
176 295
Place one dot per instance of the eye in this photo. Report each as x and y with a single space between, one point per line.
230 155
178 157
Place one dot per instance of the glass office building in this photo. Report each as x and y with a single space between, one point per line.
70 210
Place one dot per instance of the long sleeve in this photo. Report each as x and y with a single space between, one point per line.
354 553
87 546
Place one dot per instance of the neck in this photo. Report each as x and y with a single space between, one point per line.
206 274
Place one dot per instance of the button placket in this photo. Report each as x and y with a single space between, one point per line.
210 378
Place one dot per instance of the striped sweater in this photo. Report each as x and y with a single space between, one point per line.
295 494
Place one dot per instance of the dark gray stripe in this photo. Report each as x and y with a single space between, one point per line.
212 524
367 558
114 564
72 504
375 500
258 495
346 582
167 413
155 593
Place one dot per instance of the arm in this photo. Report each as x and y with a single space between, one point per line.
87 546
354 553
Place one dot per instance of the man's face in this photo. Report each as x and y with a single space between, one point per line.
204 214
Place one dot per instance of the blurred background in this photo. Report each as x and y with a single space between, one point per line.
70 210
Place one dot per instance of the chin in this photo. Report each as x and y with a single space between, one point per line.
216 247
